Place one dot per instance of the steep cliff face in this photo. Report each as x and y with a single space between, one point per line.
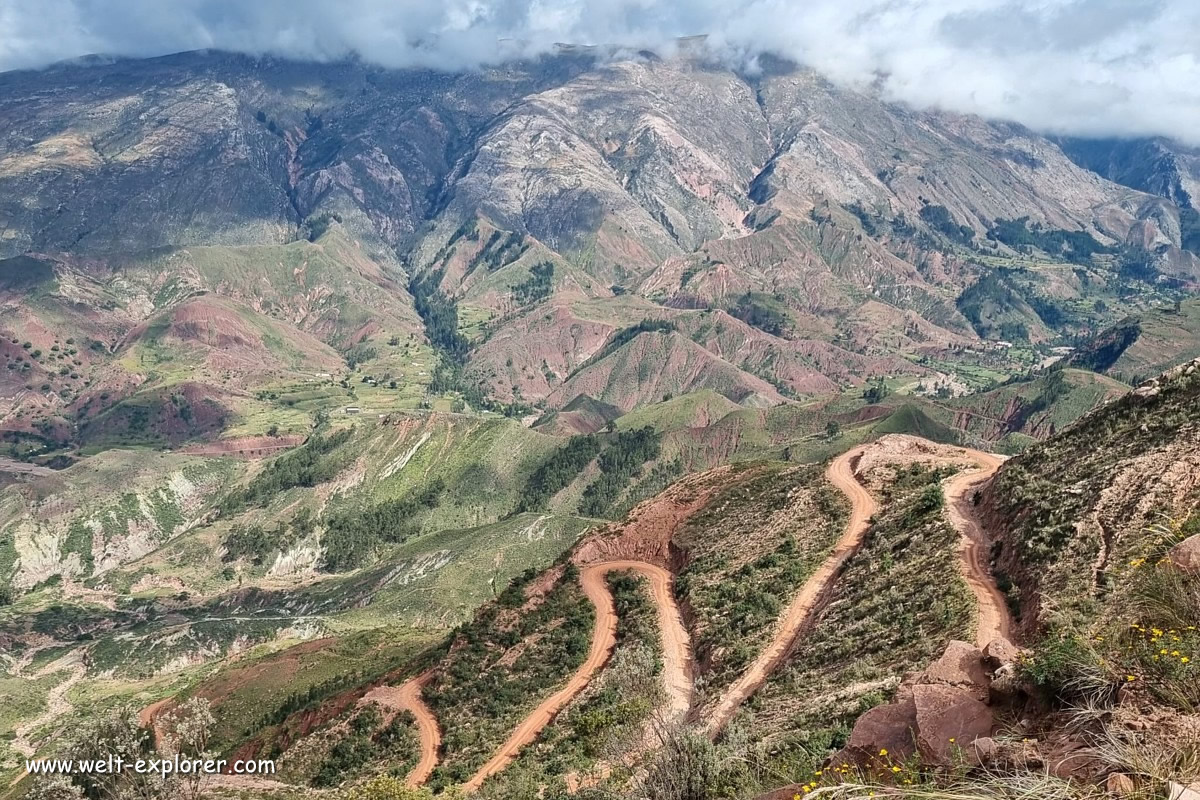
1073 512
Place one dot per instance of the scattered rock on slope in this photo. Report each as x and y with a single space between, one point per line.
1186 554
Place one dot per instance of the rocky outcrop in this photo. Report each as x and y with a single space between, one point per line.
943 715
960 667
1186 555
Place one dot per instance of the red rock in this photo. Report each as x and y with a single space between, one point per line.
1000 651
1186 554
949 719
1071 760
960 666
889 727
1120 785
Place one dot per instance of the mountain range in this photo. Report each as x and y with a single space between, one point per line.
569 426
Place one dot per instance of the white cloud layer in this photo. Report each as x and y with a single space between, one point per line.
1088 67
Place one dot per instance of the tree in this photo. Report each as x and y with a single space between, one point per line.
186 732
876 392
833 430
115 734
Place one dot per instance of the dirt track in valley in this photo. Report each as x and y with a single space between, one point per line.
862 506
676 658
995 621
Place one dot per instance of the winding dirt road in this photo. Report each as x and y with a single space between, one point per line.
407 697
973 549
862 506
994 618
676 647
427 729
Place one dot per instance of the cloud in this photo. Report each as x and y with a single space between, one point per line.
1089 67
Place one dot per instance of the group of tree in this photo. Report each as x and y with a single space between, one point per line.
626 335
876 391
500 249
1021 235
449 376
352 535
259 543
439 313
1137 263
314 462
761 313
556 472
619 458
367 741
537 286
941 220
295 701
619 463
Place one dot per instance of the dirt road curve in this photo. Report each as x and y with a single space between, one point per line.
862 506
427 728
407 697
994 618
676 658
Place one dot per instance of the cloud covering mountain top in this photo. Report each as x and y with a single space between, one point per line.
1085 67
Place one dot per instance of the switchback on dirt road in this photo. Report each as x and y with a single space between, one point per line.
994 617
407 697
993 611
862 506
676 658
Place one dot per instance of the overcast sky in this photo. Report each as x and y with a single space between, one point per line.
1093 67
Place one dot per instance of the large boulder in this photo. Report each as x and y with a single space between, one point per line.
961 666
889 729
1186 554
1000 651
949 720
